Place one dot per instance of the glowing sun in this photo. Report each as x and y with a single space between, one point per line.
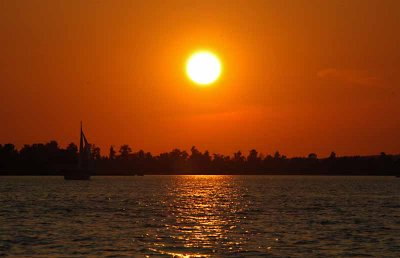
203 68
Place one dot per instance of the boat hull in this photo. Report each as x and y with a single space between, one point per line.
76 175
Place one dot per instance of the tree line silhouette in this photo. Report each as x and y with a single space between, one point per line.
51 159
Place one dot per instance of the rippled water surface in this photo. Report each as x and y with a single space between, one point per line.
200 216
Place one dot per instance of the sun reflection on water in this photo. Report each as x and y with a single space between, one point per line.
201 211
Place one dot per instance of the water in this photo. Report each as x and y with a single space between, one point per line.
200 216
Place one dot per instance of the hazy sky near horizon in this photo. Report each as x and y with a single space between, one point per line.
299 76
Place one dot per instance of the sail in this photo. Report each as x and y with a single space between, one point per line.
85 161
84 152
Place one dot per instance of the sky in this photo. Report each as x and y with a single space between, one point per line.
298 76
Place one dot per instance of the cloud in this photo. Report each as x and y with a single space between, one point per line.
357 77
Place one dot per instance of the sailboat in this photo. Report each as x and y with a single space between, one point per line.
82 172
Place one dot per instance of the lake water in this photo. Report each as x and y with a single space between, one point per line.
200 216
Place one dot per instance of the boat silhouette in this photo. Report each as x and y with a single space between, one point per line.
85 161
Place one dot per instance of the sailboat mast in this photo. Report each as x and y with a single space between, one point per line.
81 149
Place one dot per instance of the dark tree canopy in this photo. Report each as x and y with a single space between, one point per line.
50 158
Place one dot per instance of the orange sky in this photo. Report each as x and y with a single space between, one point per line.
299 76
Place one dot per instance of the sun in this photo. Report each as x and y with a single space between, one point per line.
203 68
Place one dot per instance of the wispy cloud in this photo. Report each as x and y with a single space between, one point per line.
358 77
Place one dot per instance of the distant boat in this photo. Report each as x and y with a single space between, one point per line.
82 172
